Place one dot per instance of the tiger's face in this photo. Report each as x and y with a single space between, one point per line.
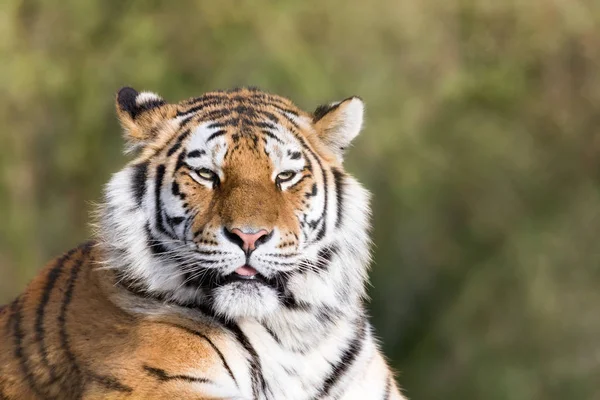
238 202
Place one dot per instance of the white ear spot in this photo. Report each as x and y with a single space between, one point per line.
352 117
339 123
147 97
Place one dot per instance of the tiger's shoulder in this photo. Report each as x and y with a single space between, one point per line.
66 337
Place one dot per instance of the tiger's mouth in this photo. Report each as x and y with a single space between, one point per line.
212 278
247 274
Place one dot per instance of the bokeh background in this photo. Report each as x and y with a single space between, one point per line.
481 147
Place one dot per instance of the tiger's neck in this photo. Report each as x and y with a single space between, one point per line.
296 327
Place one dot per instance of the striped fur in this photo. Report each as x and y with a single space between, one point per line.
170 301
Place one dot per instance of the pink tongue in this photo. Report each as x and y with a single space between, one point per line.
246 271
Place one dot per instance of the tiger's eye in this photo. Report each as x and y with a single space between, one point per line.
206 174
285 176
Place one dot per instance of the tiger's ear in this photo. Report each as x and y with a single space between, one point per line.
139 113
337 124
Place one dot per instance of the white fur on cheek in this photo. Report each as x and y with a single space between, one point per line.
123 232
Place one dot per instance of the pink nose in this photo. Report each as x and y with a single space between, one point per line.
249 239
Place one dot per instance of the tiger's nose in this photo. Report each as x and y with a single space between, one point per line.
247 241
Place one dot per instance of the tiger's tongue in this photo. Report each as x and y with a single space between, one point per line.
246 270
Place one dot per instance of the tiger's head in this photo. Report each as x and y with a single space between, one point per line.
238 201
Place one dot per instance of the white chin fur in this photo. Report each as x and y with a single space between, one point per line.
245 300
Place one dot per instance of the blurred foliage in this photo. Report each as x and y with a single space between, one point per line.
481 147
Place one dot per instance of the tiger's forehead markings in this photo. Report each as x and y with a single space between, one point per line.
245 114
249 106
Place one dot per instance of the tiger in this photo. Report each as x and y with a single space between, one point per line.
229 261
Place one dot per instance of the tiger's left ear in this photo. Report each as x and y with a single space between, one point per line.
337 124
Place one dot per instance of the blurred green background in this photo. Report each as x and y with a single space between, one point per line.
481 147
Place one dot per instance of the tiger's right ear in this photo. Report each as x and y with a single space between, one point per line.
139 113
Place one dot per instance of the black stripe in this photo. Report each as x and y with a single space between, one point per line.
388 388
313 191
192 109
255 365
308 165
323 110
216 125
264 125
270 116
299 181
155 245
39 328
345 363
195 100
161 375
78 381
325 255
218 104
272 135
243 109
338 180
323 216
214 347
19 336
174 148
146 106
110 383
289 120
285 109
196 153
216 134
176 190
234 121
327 314
158 214
184 121
216 114
180 161
178 142
269 99
138 182
288 300
174 221
210 252
285 297
272 333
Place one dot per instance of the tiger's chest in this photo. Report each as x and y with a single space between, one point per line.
249 361
313 369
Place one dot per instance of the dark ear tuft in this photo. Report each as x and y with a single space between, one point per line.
322 110
338 123
126 99
139 112
134 103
